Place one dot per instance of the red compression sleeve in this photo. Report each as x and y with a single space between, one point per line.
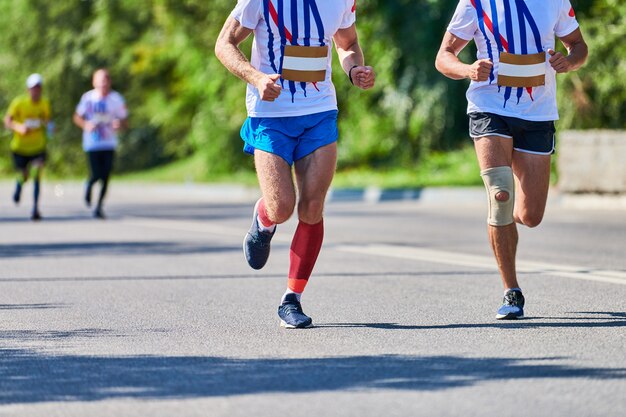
305 247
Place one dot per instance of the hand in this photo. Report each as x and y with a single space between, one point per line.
480 70
89 126
116 124
20 128
268 89
363 77
559 62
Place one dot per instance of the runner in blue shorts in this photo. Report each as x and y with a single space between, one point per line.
292 123
512 109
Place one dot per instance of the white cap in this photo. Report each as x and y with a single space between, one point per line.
34 80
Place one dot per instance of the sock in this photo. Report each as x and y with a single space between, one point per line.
88 190
289 291
103 191
265 224
17 194
36 190
305 247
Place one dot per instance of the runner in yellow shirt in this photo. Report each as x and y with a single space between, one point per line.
28 118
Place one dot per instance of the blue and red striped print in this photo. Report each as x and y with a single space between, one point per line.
485 23
276 14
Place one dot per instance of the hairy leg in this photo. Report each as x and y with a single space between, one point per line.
532 178
493 151
277 188
314 174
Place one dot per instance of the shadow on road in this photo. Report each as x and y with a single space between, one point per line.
614 319
108 249
205 212
51 335
30 377
193 212
255 275
44 306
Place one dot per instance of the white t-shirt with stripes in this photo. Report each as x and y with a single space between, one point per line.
524 27
275 24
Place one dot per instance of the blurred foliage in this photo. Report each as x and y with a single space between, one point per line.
595 96
183 102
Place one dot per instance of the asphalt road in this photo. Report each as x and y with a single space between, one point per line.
154 312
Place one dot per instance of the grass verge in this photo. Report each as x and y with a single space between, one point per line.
454 168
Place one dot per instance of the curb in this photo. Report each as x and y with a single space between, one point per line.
369 195
434 195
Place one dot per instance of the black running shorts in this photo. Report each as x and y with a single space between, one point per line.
528 136
23 161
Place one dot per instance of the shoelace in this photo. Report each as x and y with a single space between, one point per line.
510 299
262 238
292 308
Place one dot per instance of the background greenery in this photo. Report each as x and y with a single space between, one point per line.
186 107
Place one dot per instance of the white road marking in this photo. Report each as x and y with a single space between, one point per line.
484 262
402 252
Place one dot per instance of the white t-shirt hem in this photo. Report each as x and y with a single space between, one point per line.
295 113
111 147
504 112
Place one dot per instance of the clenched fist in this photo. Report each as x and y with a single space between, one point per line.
480 70
363 77
559 62
268 89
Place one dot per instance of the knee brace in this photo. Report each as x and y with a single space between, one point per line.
499 179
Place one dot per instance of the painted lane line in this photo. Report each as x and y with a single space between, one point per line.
484 262
402 252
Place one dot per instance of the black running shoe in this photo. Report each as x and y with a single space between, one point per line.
291 314
88 194
256 244
36 216
512 307
98 213
17 195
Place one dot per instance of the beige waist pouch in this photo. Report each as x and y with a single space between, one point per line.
307 64
522 70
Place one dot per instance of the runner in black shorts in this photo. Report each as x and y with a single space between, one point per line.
512 109
21 162
28 118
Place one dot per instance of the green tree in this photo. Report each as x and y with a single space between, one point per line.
183 102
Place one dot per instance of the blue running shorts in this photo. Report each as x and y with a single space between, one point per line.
291 138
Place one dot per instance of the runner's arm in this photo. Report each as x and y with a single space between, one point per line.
228 52
14 126
449 64
120 124
351 58
577 53
82 123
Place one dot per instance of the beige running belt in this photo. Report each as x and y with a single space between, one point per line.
522 70
305 63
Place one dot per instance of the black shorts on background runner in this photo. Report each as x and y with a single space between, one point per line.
22 161
528 136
